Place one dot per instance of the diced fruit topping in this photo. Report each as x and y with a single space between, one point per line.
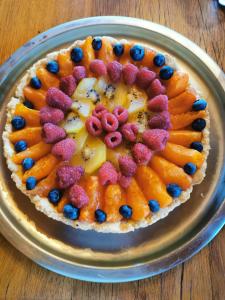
73 123
98 67
158 103
64 149
18 122
137 52
174 190
57 99
129 73
198 124
156 88
107 174
127 165
190 168
97 43
31 183
160 121
114 69
54 196
109 122
51 115
76 54
154 206
78 196
35 83
100 216
121 114
71 212
67 85
20 146
144 78
113 139
124 181
27 163
94 126
118 49
155 139
68 175
99 111
126 211
28 104
130 131
141 154
52 133
197 146
159 60
79 72
166 72
53 66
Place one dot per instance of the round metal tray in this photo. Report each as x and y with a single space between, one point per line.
102 257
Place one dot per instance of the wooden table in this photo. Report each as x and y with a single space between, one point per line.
202 277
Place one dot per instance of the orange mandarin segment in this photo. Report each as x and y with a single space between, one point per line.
106 52
65 64
176 84
184 137
64 200
183 102
36 97
152 186
31 116
170 173
137 200
36 152
47 79
183 120
32 135
181 155
88 51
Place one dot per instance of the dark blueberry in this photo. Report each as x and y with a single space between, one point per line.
137 52
53 66
174 190
100 216
154 206
190 168
27 163
18 122
126 211
198 124
20 146
71 212
159 60
35 83
54 196
197 146
118 49
166 72
28 104
76 54
31 183
97 43
199 104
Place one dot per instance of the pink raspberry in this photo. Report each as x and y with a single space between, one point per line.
107 174
109 122
64 149
68 175
79 72
130 131
144 78
155 139
94 126
114 69
99 111
156 88
113 139
58 99
98 67
67 85
127 165
121 114
158 103
52 133
123 181
51 115
78 196
129 73
161 121
141 154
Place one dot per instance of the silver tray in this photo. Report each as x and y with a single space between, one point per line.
102 257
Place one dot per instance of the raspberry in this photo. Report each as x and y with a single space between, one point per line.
64 149
68 175
107 174
155 139
109 122
156 88
78 196
52 133
51 115
121 114
127 165
161 121
58 99
94 126
144 78
113 139
114 69
79 72
141 154
130 131
68 85
129 73
99 111
98 67
123 181
158 103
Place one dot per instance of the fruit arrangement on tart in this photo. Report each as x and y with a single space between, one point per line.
106 135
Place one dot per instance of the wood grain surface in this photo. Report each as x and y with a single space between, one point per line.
203 276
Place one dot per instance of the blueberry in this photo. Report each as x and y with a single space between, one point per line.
166 72
18 122
198 124
54 196
53 67
197 146
137 52
27 163
159 60
126 211
190 168
31 183
118 49
35 83
71 212
174 190
154 206
28 104
97 43
76 54
100 216
199 104
20 146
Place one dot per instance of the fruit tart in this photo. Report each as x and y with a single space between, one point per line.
107 134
